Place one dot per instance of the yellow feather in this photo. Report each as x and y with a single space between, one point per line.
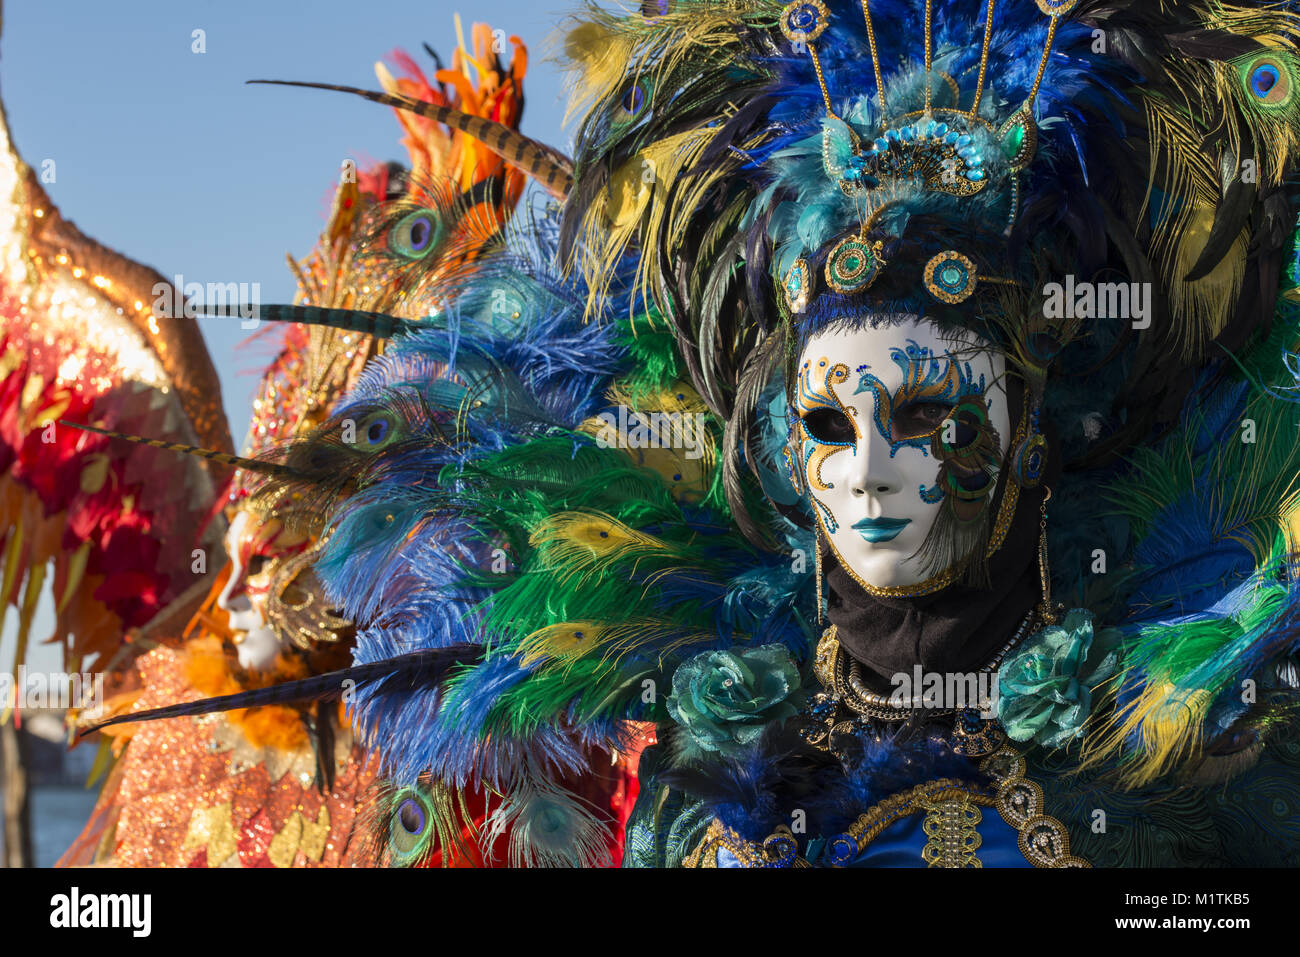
671 437
1167 725
565 643
602 56
1201 308
587 543
638 201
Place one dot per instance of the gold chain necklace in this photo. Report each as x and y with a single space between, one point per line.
842 675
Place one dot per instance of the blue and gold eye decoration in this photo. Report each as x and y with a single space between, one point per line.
1029 459
797 286
804 20
815 439
853 265
950 277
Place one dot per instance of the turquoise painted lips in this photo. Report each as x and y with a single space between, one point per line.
880 529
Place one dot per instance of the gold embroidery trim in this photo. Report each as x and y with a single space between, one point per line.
952 829
748 853
1043 839
718 835
897 806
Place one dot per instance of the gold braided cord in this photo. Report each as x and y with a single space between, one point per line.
984 58
821 81
875 58
1042 64
928 14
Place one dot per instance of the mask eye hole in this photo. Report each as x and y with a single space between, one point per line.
916 419
830 426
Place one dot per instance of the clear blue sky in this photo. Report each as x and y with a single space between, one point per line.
166 156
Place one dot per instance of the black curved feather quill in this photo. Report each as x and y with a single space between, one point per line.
418 669
377 324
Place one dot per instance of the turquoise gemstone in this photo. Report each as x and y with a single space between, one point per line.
1014 139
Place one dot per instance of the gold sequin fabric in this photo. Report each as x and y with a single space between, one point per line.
191 792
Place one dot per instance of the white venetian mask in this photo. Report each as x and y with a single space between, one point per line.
895 423
244 597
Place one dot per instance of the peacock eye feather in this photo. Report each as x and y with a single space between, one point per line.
416 234
410 829
377 430
1264 80
1267 79
632 105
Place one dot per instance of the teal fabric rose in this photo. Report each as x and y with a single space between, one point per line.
725 698
1044 691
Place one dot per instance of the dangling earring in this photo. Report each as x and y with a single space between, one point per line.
1030 456
1045 611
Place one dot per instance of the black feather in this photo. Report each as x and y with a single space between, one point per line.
418 669
378 324
1236 204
